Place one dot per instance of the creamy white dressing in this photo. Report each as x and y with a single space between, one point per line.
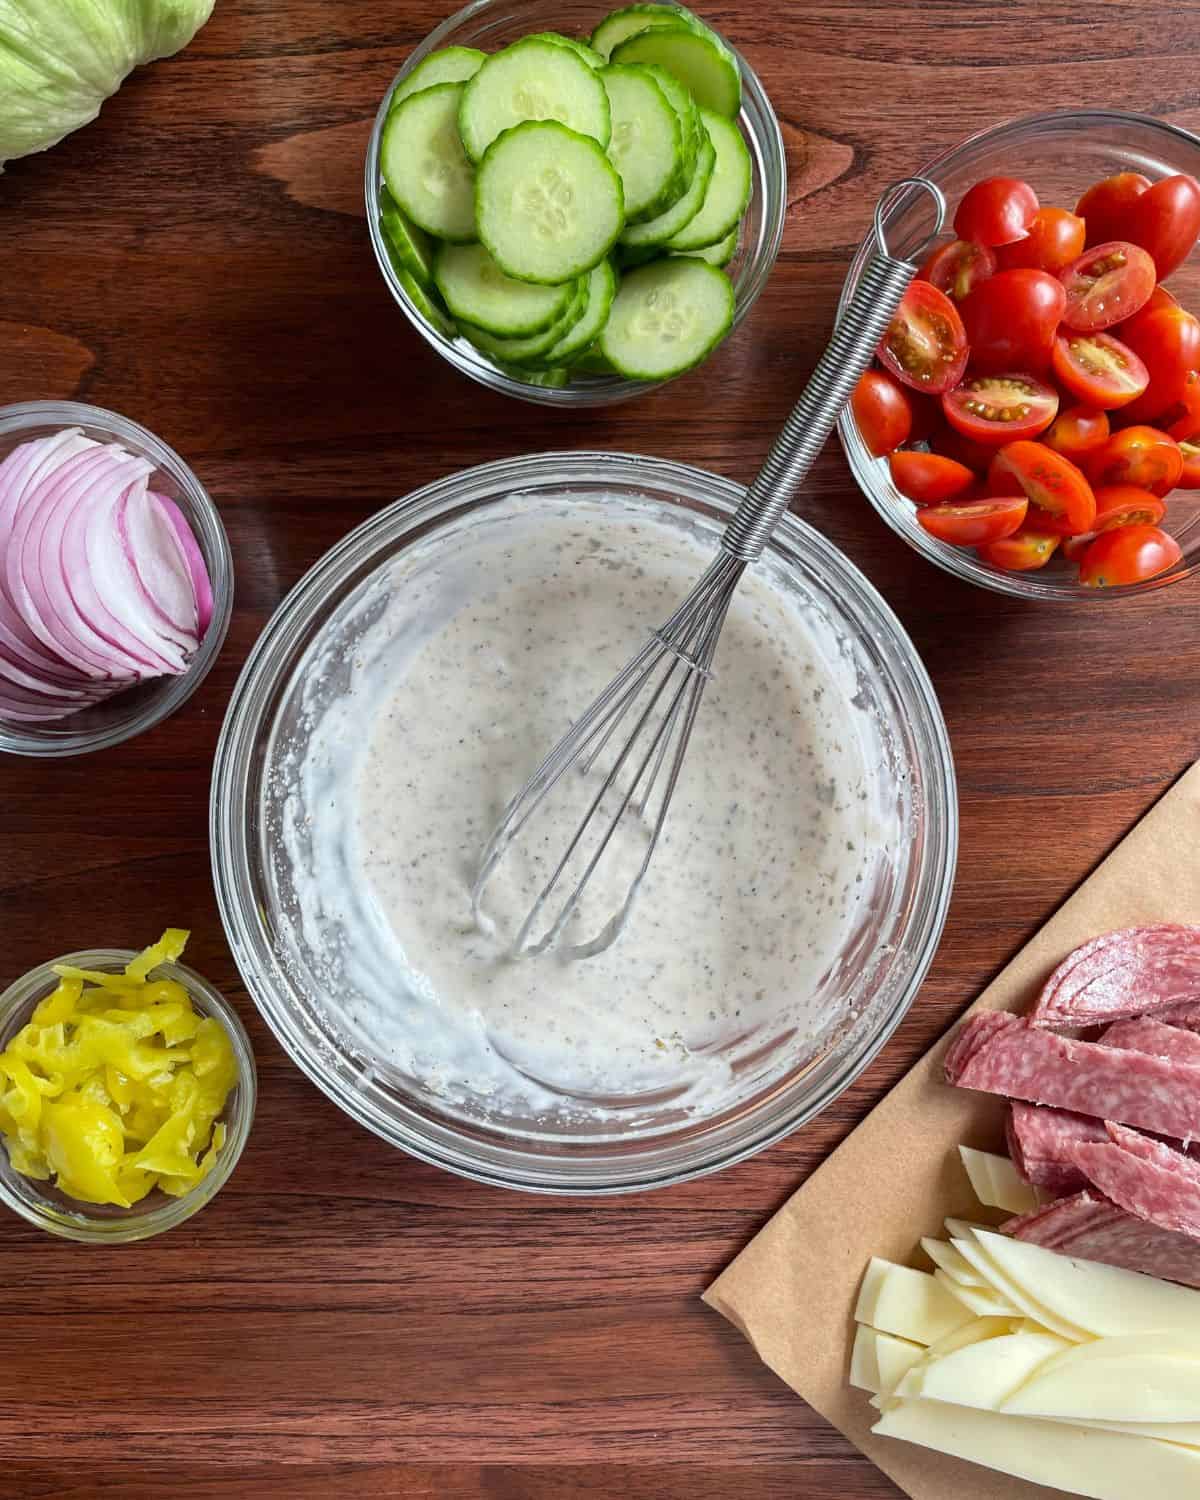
470 662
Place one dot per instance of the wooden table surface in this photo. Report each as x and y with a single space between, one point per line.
343 1320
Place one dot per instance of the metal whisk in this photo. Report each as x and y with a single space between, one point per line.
659 691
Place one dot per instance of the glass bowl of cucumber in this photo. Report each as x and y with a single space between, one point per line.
572 206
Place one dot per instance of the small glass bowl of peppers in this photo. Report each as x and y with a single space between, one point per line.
127 1091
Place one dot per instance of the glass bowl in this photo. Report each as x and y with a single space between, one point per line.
127 713
1060 153
259 814
492 24
108 1224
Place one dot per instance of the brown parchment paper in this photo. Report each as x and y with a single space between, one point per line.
792 1291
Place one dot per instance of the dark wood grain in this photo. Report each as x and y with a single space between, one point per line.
342 1320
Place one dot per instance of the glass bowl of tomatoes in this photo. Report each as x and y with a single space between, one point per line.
1032 423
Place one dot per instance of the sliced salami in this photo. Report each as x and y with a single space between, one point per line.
1122 974
1186 1015
1040 1143
1151 1189
1090 1228
1145 1034
1024 1062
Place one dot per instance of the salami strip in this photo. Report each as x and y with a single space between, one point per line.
1123 974
1136 1181
1145 1034
1023 1062
1187 1016
1040 1143
1164 1153
1091 1229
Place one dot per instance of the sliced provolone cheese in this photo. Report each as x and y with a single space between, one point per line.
983 1301
1169 1432
880 1361
946 1258
1143 1378
996 1183
1081 1460
910 1304
985 1375
1018 1295
1101 1300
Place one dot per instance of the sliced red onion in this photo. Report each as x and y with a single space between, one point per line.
201 583
160 568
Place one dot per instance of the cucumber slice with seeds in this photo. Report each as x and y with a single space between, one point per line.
531 350
728 188
407 242
422 298
698 58
532 80
476 290
449 65
658 231
631 19
647 142
667 317
424 165
601 288
719 254
548 202
685 107
580 49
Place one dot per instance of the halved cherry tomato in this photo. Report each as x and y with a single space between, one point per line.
1022 552
883 412
1157 300
971 523
925 345
1190 478
1106 284
996 211
1128 555
951 443
1182 421
1099 369
1073 547
1077 433
1168 344
1105 205
1126 505
1000 408
928 478
957 267
1166 222
1010 321
1056 238
1138 455
1052 482
927 416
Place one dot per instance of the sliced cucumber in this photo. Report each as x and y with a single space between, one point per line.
636 255
631 19
532 80
476 290
728 188
424 165
658 231
554 379
532 349
647 142
580 49
719 254
423 300
601 289
449 65
697 57
666 318
408 243
685 107
548 202
592 362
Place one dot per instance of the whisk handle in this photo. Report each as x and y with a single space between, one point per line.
847 355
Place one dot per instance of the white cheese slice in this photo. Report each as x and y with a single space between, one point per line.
996 1182
880 1360
1101 1300
1018 1295
910 1304
1080 1460
1169 1432
983 1301
1143 1378
946 1258
985 1375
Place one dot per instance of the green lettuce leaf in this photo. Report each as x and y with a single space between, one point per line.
61 59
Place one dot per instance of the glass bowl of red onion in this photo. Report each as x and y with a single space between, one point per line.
116 581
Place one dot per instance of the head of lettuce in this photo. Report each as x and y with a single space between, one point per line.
61 59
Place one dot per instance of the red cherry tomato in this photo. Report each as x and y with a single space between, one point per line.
1138 455
1166 222
1128 555
1000 408
1055 239
1052 483
1073 547
1190 478
1010 321
883 412
925 345
1105 206
1182 421
1157 300
1126 505
951 443
1106 284
996 211
928 478
1022 552
971 523
1168 344
1099 369
957 267
927 416
1077 433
